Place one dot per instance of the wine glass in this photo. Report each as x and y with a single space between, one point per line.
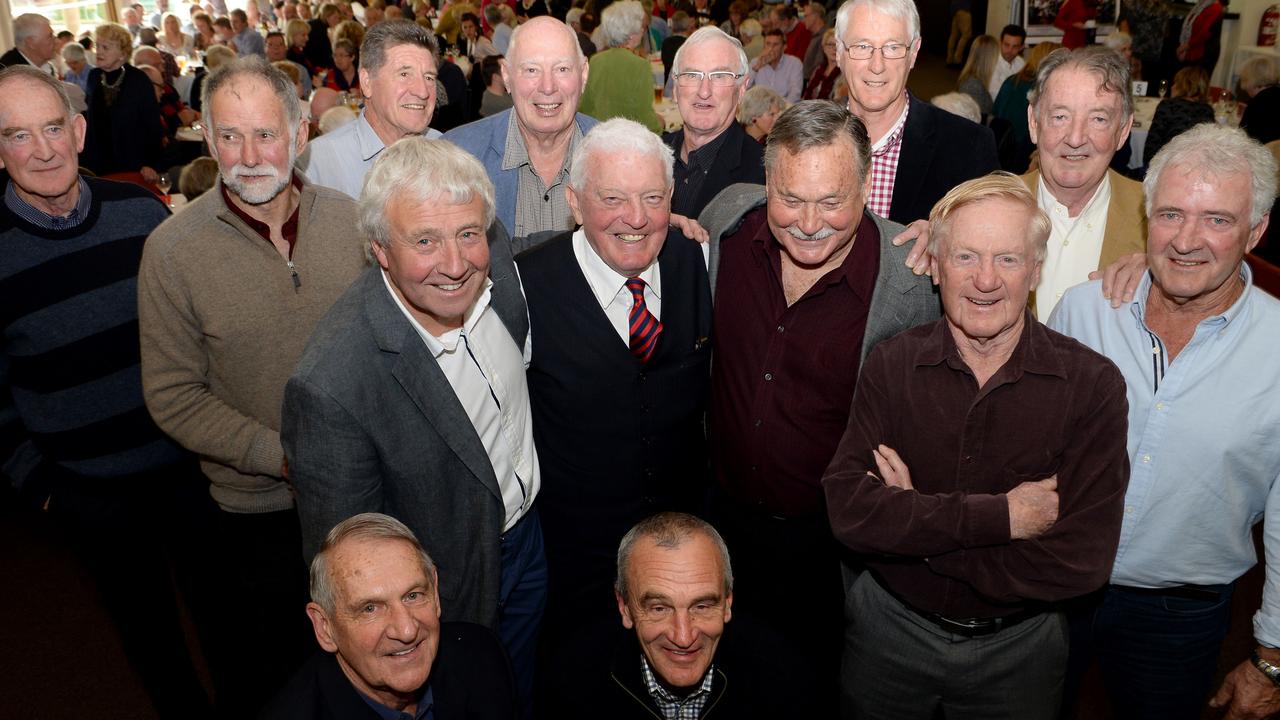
164 182
1164 89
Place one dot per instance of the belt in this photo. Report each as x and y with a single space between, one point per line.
966 627
1206 593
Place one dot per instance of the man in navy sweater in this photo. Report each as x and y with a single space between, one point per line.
78 440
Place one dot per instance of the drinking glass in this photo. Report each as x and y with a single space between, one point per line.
164 182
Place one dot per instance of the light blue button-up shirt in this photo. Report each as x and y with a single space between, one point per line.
342 158
1204 440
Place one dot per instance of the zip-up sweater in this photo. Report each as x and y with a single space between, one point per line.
224 318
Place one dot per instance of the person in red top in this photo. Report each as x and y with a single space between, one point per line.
1071 20
1199 32
822 82
786 19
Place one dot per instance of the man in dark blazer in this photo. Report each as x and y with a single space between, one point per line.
34 42
376 611
411 399
620 317
934 150
806 281
712 150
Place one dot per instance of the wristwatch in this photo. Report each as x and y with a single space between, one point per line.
1271 671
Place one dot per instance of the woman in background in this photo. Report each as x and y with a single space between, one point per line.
621 82
825 76
759 109
1186 107
976 74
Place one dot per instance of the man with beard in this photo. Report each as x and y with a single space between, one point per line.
229 292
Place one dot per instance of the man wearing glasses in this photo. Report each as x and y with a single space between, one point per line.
712 151
918 152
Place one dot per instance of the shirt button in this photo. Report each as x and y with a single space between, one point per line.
759 422
781 328
546 198
1128 509
1146 458
1066 243
1160 406
768 376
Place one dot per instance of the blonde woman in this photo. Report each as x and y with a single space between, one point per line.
976 74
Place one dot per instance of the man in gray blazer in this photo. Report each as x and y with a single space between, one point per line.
411 399
806 282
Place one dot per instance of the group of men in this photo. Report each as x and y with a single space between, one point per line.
347 330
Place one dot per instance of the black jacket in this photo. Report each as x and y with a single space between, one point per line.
470 678
740 160
939 151
136 134
13 57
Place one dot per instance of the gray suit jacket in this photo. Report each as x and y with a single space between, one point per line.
900 300
371 424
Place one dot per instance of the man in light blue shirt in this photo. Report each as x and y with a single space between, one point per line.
1198 348
776 70
247 39
398 78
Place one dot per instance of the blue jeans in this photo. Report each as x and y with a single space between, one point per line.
522 598
1157 652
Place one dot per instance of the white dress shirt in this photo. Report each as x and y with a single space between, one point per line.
610 288
485 368
1003 70
1075 244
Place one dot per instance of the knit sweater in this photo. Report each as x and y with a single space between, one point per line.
69 335
223 325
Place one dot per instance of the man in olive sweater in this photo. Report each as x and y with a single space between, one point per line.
229 292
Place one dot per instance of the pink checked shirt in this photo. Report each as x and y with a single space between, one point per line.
884 167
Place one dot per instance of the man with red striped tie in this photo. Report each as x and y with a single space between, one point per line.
620 320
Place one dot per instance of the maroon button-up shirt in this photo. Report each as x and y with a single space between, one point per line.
783 377
1054 408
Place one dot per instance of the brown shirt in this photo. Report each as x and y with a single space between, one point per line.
783 376
1055 407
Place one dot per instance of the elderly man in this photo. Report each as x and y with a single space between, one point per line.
1013 38
1197 347
375 609
398 79
980 477
247 41
677 655
527 150
781 72
807 285
712 151
128 499
34 43
229 291
411 397
918 152
796 34
1080 115
620 362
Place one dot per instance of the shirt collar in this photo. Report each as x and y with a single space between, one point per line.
1101 194
894 136
367 138
425 703
290 229
662 695
866 235
1139 305
40 218
604 281
516 154
1034 352
447 342
703 157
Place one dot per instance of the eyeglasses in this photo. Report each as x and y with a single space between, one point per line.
888 51
719 78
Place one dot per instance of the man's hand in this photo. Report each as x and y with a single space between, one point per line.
893 471
284 469
690 228
1120 279
1247 693
1033 508
148 175
187 116
918 258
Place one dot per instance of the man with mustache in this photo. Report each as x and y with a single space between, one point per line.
804 288
228 294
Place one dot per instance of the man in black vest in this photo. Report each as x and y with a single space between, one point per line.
620 320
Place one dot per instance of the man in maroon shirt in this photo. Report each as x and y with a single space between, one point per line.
808 283
982 477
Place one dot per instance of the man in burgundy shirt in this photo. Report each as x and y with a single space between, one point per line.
808 283
982 477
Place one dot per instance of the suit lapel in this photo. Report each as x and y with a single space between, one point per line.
419 375
918 138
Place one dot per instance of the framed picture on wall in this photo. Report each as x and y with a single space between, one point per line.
1038 15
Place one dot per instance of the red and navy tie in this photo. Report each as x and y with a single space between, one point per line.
645 328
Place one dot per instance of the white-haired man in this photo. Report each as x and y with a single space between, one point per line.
964 434
411 396
712 151
34 43
620 361
228 293
527 150
1197 347
384 652
398 79
918 152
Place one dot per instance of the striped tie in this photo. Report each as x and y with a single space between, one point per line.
645 328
